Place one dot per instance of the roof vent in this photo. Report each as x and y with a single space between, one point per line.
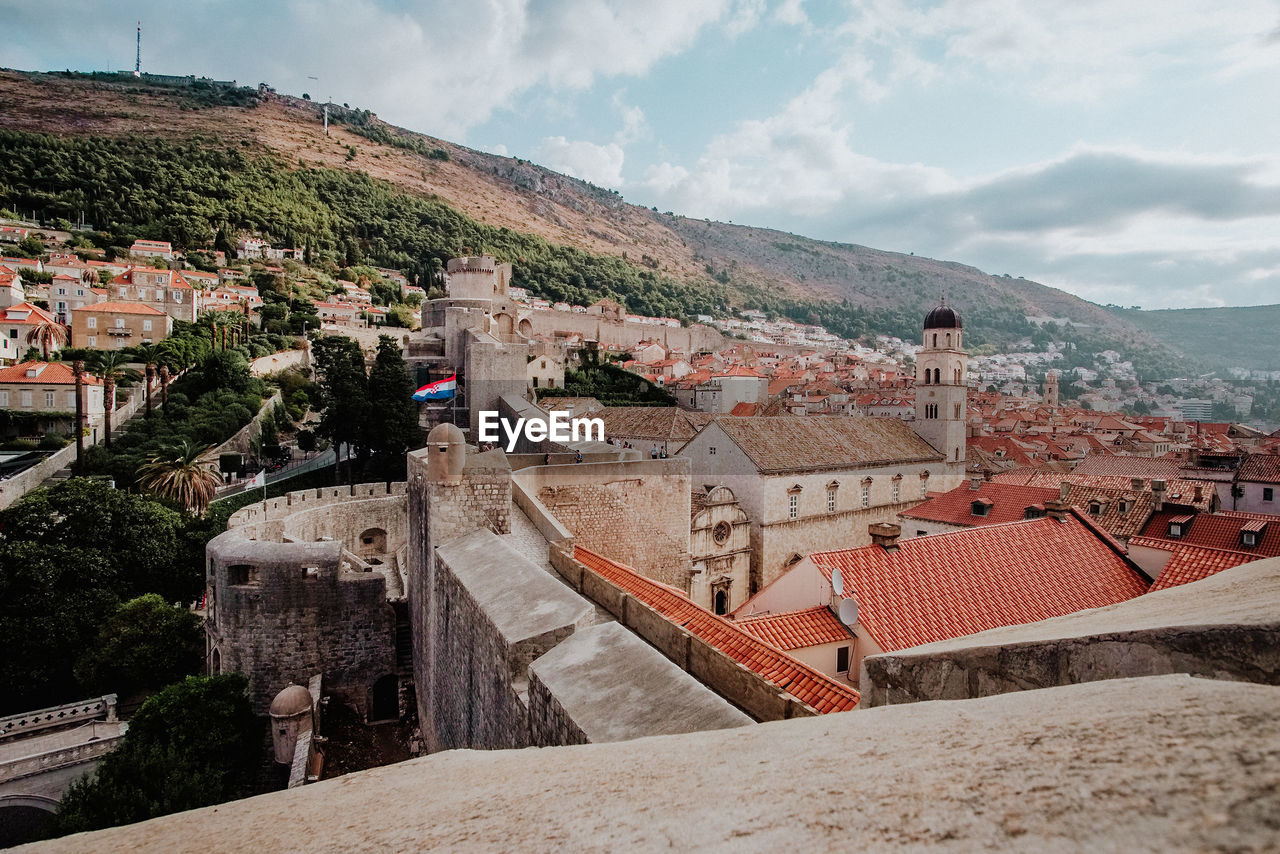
885 535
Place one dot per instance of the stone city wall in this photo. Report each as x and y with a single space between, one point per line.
280 612
633 511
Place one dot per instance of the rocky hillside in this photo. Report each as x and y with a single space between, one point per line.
825 281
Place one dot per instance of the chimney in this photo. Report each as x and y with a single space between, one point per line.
1064 490
988 474
1158 488
885 535
975 481
1057 510
1199 496
1138 483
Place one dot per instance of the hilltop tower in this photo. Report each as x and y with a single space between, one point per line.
137 61
941 393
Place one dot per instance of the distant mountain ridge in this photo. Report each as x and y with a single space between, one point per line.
847 287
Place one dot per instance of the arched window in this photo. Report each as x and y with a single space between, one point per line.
935 339
722 602
948 339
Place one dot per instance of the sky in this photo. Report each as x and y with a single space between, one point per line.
1127 152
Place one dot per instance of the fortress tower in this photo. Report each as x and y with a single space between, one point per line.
940 383
1051 389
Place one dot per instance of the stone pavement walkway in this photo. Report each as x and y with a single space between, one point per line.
526 539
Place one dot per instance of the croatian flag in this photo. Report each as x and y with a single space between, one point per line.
438 390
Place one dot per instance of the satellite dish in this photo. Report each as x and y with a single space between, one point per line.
837 583
848 611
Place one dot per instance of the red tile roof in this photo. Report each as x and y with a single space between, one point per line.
797 629
1261 468
815 689
51 373
1218 530
119 308
1191 563
1007 502
33 314
947 585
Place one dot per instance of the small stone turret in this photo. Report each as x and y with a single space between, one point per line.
446 454
290 717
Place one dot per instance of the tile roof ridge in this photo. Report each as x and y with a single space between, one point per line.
1176 545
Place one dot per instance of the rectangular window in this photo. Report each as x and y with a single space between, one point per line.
146 326
71 400
91 323
1268 493
866 495
924 489
93 340
26 399
831 501
48 400
119 323
793 506
712 451
897 491
4 398
13 333
842 660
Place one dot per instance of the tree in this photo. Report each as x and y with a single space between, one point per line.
195 743
31 246
144 646
393 414
183 475
47 334
112 367
343 394
306 441
150 355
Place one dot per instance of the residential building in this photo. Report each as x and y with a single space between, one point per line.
116 325
164 290
545 372
911 592
15 322
814 636
151 249
47 387
1257 486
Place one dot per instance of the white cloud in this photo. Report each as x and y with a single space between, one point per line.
599 164
791 12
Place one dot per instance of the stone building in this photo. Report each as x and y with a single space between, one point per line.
941 389
720 545
312 583
478 334
115 325
815 482
164 290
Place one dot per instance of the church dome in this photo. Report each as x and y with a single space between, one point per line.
942 317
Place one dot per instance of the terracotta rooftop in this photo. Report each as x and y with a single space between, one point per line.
821 442
1176 491
1219 530
1190 563
119 308
1260 468
51 373
1165 468
797 629
815 689
1006 502
25 312
947 585
652 423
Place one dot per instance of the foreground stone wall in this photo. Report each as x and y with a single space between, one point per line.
1161 764
1226 626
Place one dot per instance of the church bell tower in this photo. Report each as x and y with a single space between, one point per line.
941 393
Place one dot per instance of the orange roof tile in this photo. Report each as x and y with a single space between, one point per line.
1006 502
1218 530
1190 562
119 308
51 373
811 687
947 585
797 629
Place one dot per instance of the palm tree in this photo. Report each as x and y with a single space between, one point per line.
150 355
46 334
112 367
164 388
182 474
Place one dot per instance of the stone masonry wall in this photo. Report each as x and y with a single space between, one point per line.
297 613
637 512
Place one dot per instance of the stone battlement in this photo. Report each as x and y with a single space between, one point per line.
290 503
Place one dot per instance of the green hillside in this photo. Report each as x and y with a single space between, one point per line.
1218 338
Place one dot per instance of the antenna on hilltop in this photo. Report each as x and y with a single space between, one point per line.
137 62
326 106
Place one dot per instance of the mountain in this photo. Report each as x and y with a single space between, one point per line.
1220 338
268 166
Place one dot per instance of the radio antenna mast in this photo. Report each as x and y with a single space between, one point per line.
137 62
